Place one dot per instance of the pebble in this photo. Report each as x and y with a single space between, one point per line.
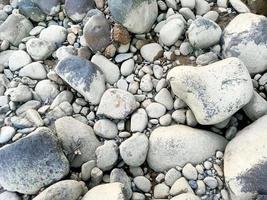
164 97
9 195
54 34
127 67
171 176
146 84
180 186
86 169
6 133
142 183
161 191
202 7
188 3
189 172
155 110
151 52
106 128
46 90
211 182
22 93
134 149
39 49
188 196
239 6
34 70
139 120
18 59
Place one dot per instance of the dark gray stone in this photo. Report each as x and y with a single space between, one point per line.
29 9
83 76
32 162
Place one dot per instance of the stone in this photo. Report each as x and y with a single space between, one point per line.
97 33
171 31
155 110
187 13
189 172
9 195
127 67
188 4
171 176
243 33
134 149
110 70
4 57
164 97
239 6
106 128
30 9
83 141
34 117
198 31
161 191
67 190
32 104
207 58
76 10
146 84
202 7
6 133
15 28
142 183
83 76
212 15
34 70
49 7
137 16
225 89
186 196
39 49
245 165
188 145
256 108
139 120
46 90
38 168
54 34
151 52
65 95
22 93
87 169
211 182
180 186
107 155
116 104
110 191
120 34
18 59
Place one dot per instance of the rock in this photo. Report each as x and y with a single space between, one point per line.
212 15
54 34
134 150
46 90
34 117
139 120
188 4
7 132
107 155
155 110
120 34
106 128
30 9
33 104
110 191
22 93
198 31
18 59
65 95
239 6
83 76
15 28
245 165
188 145
181 186
4 57
39 49
211 182
49 7
202 7
243 33
84 140
226 88
186 196
171 31
171 176
151 52
87 169
127 67
9 195
164 97
67 190
119 175
207 58
116 104
256 108
76 10
146 84
110 70
38 168
142 183
34 70
187 13
97 33
189 172
161 191
136 16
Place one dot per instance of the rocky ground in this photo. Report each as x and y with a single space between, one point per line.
133 99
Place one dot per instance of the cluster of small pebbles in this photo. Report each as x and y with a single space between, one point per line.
133 100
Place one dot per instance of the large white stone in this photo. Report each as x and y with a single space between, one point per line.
177 145
245 37
225 88
245 162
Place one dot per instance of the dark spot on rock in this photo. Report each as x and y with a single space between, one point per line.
202 22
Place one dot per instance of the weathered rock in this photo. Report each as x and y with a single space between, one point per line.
137 16
34 70
97 33
72 140
43 162
18 59
245 162
15 28
46 90
110 191
239 6
31 10
177 145
54 34
198 31
244 33
225 89
116 104
83 76
151 52
77 9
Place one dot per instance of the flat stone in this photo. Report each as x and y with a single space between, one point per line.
15 28
18 59
83 76
83 140
188 145
34 70
67 190
244 33
225 89
106 128
151 52
38 168
137 16
116 104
